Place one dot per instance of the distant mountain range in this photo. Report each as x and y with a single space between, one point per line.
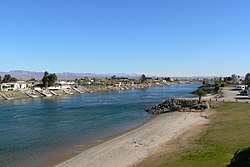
20 74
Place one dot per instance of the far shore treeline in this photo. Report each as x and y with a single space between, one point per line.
51 79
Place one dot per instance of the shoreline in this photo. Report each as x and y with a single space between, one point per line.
136 144
6 96
78 149
179 143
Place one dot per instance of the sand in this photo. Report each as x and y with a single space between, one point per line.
134 146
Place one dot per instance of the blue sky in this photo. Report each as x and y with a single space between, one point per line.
155 37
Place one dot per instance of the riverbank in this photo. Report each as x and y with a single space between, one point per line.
216 143
72 90
52 126
137 144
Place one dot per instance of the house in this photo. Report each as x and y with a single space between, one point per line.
22 84
4 87
65 85
13 86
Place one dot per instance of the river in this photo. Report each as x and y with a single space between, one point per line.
32 131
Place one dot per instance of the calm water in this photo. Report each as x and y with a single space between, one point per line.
33 130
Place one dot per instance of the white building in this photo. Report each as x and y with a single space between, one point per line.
22 84
4 87
65 85
13 86
19 85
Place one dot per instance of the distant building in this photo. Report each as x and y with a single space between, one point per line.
20 85
65 85
4 87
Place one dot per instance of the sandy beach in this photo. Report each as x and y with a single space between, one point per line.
134 146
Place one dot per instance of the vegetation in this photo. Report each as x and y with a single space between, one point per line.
227 133
216 88
168 79
247 79
7 78
143 78
230 80
201 93
49 79
32 79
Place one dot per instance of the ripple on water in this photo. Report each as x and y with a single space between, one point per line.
33 131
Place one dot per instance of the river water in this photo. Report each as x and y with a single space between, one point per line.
32 131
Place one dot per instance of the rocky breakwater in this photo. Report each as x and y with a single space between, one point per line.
181 105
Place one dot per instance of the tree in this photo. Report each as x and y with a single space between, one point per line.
13 79
52 79
203 83
216 88
234 78
201 93
46 79
49 79
247 79
8 78
0 78
143 78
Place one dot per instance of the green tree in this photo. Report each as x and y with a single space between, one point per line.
8 78
13 79
216 88
203 83
52 79
49 79
247 79
46 79
143 78
0 79
201 93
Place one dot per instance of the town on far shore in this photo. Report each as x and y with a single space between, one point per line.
49 85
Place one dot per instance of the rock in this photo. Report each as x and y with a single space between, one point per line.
181 105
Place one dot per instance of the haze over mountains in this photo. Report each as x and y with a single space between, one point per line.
25 75
20 74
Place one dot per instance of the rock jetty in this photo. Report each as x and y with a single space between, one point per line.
181 105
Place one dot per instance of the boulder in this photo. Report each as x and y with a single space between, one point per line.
181 105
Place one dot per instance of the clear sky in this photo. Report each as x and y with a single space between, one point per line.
155 37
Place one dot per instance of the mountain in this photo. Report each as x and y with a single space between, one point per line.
20 74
